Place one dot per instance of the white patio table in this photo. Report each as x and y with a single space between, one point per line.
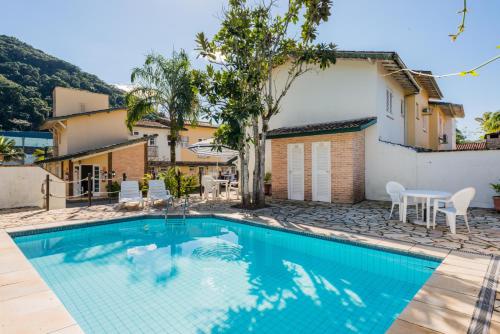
427 195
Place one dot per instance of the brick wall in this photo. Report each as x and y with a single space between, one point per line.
130 160
347 166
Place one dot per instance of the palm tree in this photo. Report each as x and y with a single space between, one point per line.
490 122
9 151
164 88
43 153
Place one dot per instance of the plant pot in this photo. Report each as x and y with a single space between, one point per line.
267 189
496 203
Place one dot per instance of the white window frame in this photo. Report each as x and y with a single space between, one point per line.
184 141
388 101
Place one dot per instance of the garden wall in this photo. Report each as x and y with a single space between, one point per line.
447 171
21 186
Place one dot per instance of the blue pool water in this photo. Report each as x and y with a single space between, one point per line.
210 275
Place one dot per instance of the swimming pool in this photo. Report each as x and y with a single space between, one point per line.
210 275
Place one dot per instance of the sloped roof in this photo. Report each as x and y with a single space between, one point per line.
96 150
150 124
429 84
391 62
47 124
322 128
451 109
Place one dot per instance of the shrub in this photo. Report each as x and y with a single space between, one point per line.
495 187
113 188
189 183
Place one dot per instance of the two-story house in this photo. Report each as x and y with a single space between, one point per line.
317 143
187 161
89 137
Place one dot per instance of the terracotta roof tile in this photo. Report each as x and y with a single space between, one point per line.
323 128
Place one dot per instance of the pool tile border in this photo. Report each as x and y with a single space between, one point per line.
478 323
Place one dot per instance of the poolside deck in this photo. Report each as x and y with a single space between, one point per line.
368 218
454 300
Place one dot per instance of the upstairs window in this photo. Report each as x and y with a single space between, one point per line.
152 141
388 101
417 111
184 141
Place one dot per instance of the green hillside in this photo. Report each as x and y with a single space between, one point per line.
27 77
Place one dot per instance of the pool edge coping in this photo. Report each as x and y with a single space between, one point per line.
478 318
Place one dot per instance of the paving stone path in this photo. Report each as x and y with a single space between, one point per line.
366 218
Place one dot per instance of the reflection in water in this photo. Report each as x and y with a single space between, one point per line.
215 276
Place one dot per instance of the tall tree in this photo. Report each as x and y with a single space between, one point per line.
490 122
9 151
164 87
259 39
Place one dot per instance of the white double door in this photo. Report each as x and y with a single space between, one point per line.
321 171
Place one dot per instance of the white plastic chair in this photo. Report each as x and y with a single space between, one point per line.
457 205
394 189
158 192
236 186
130 193
209 186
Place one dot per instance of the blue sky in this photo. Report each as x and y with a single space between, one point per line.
108 38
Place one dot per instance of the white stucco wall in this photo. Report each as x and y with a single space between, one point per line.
161 140
98 130
390 125
69 101
346 90
447 171
21 186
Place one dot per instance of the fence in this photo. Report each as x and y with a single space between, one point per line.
448 170
88 194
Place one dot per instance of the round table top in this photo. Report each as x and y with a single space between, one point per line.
426 193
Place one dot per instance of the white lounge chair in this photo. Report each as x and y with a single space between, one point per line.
210 186
158 192
130 193
457 205
394 190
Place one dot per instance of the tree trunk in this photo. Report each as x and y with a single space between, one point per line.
261 198
172 141
256 169
245 195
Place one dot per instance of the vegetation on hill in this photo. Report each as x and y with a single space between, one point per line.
27 78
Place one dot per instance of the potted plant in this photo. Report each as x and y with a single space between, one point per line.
496 199
267 184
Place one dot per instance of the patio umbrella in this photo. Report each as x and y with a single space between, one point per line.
208 148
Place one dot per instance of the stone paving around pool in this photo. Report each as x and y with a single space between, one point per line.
446 304
369 218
